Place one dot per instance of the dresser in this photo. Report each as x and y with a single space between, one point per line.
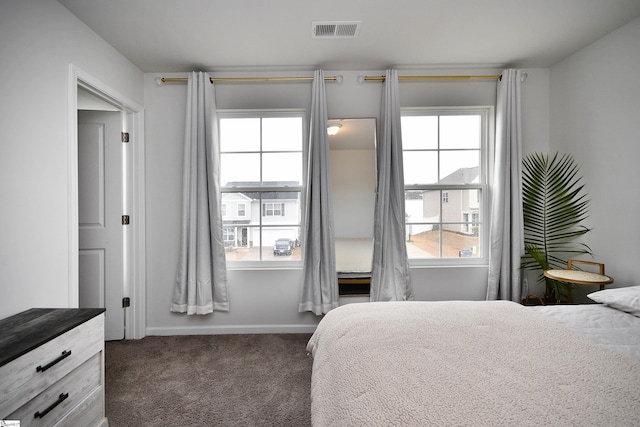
52 367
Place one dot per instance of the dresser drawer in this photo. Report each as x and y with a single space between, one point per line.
62 398
89 413
26 377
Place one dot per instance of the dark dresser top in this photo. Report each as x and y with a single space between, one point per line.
21 333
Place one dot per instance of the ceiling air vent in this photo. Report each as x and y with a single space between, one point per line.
335 29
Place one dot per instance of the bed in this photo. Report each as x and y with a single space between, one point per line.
475 363
353 265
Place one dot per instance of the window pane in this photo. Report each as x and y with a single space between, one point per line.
460 167
282 207
422 209
240 169
245 245
240 134
420 167
460 132
237 207
282 168
281 243
422 206
425 243
458 245
460 207
282 134
419 132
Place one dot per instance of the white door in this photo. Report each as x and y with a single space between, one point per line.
100 216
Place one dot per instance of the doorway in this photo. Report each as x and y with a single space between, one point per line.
106 183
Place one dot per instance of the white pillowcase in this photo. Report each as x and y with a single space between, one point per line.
624 299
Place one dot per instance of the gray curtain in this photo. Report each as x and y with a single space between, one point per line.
201 280
506 228
390 279
320 279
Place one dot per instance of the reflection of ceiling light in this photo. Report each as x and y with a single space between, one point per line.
333 128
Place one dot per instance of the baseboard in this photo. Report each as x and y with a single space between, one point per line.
239 329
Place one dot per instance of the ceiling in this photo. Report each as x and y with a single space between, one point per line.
237 35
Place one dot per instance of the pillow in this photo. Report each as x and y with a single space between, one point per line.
625 299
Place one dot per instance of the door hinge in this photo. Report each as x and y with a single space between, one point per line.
125 219
125 136
126 302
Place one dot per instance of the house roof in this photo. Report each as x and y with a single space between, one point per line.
462 176
270 195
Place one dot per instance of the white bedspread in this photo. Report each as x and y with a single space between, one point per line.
464 363
612 328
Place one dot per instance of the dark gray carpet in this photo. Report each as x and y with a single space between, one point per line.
212 380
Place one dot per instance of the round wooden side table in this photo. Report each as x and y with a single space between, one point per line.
579 277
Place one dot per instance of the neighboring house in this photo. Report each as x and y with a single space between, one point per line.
458 206
251 217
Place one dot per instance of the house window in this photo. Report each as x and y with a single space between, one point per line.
445 182
228 234
261 169
273 209
223 209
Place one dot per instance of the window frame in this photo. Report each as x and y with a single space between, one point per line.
263 264
486 167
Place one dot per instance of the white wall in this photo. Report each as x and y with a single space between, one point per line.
38 41
595 116
263 301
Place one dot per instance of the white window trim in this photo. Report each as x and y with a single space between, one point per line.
487 154
269 113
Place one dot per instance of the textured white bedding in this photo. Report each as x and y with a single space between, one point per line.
354 255
486 363
612 328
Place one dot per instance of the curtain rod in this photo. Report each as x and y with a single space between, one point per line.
363 78
161 80
338 79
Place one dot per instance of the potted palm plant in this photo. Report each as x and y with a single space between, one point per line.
554 206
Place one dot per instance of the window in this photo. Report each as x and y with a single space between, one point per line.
223 209
273 209
445 182
228 234
261 172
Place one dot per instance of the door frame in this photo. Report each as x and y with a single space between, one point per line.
134 251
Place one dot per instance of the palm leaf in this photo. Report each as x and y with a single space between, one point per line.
554 206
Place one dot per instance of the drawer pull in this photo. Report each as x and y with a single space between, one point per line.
61 399
64 354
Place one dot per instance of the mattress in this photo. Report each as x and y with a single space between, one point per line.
607 326
353 257
486 363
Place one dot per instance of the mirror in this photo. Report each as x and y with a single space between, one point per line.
352 153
